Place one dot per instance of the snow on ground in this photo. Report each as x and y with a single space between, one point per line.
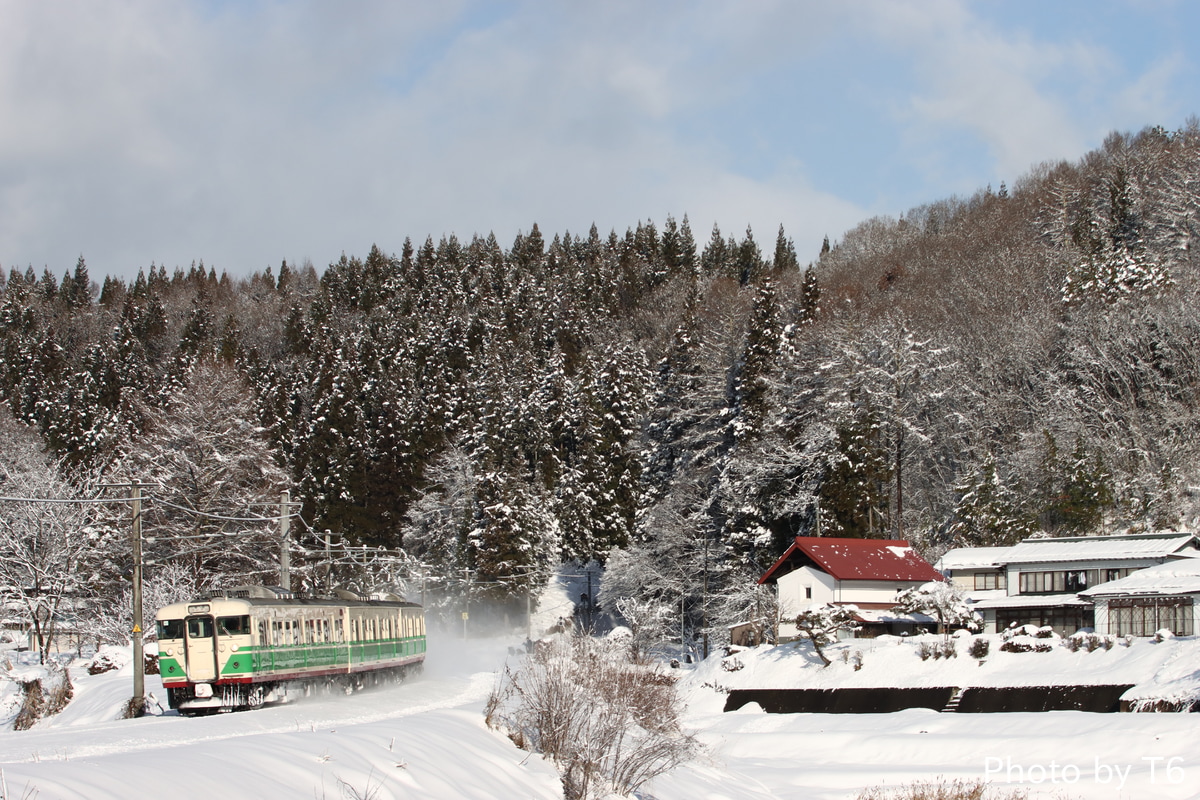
1060 754
423 739
426 738
895 661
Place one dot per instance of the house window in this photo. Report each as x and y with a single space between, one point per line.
989 580
808 593
1058 581
1064 620
1143 616
1076 580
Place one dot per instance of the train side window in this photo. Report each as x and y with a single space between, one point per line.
170 629
233 626
262 632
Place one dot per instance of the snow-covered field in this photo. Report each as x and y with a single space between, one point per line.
426 738
1060 754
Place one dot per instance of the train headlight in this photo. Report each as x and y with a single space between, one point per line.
170 652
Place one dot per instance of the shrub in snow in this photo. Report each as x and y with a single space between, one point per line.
1046 632
1026 644
1162 634
1020 630
979 648
43 694
609 724
1089 641
107 659
942 790
936 650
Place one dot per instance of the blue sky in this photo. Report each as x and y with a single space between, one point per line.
244 133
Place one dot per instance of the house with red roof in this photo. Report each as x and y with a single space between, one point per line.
866 573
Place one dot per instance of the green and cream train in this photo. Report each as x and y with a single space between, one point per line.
252 645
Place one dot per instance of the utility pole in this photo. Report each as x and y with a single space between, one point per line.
285 557
704 603
466 600
138 705
328 563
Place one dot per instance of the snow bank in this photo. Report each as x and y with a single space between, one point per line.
891 661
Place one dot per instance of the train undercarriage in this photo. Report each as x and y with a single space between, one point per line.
198 699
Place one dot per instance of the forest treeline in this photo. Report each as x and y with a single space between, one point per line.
980 369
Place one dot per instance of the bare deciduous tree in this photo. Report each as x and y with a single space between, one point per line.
609 724
44 541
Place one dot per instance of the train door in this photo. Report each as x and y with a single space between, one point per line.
201 649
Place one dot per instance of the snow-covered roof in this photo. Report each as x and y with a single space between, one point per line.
977 595
855 559
973 558
1033 601
1090 548
1178 576
881 616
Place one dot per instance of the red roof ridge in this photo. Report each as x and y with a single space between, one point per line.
856 559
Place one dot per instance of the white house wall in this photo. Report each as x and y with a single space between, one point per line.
794 599
964 579
792 596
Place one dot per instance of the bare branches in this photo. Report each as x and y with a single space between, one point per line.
609 724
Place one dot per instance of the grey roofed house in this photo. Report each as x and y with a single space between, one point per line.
1040 581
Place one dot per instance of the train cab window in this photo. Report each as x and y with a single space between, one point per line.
199 627
233 626
170 629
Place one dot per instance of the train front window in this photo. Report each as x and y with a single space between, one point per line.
199 627
170 629
233 626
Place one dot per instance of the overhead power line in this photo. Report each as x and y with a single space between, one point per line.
66 501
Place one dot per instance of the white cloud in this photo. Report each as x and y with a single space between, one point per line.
243 133
1028 98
